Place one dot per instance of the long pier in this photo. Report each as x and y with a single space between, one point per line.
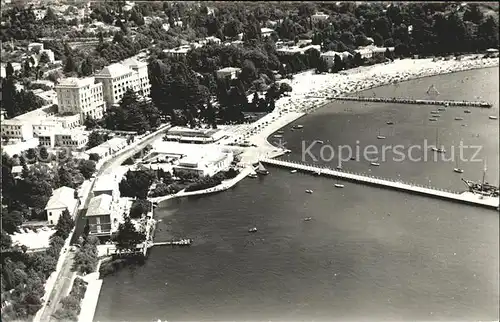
415 101
464 197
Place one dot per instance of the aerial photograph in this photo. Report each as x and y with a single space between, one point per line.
258 161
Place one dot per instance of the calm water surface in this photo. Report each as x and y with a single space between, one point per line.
367 254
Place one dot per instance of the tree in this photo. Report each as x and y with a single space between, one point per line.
322 66
140 207
9 70
64 225
128 237
95 139
5 240
64 177
70 65
44 58
388 54
136 183
285 87
11 221
43 154
87 168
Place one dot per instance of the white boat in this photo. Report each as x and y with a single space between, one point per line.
441 109
278 136
309 191
253 175
458 118
261 170
434 112
352 158
320 142
432 119
457 168
339 185
376 164
307 219
299 126
467 111
493 117
379 136
293 171
252 230
435 148
389 123
432 90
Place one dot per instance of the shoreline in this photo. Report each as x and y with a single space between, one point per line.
426 71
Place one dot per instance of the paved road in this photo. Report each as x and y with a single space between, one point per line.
61 288
63 281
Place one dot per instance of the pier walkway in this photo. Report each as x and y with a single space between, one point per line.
464 197
414 101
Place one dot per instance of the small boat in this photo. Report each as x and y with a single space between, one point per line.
299 126
380 136
435 148
353 159
376 164
307 219
293 171
457 168
339 167
437 115
458 118
280 132
278 136
253 175
339 185
261 170
493 117
288 151
389 123
467 111
252 230
432 90
320 142
434 112
441 109
318 172
432 119
309 191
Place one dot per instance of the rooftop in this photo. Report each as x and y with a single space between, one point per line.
105 183
75 82
64 197
114 70
100 205
229 69
134 63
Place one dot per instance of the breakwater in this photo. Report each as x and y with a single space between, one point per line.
415 101
465 197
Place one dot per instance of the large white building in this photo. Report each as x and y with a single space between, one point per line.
117 78
15 129
83 96
329 56
205 164
62 199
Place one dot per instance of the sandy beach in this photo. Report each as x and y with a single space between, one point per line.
312 91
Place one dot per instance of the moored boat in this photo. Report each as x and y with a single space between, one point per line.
293 171
252 230
307 219
261 170
493 117
389 123
309 191
339 185
467 111
376 164
458 118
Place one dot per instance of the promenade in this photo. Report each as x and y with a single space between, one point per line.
414 101
466 197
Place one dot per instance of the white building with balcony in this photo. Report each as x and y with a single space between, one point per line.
82 96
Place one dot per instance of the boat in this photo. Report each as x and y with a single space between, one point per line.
252 230
432 90
280 132
467 111
352 158
458 118
320 142
441 109
432 119
376 164
339 167
339 185
434 112
307 219
293 171
482 188
299 126
457 168
379 136
318 172
437 115
253 175
389 123
493 117
261 170
278 136
435 148
288 151
309 191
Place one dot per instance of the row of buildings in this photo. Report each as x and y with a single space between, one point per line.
78 99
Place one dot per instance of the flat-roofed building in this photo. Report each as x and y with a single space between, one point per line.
82 96
228 73
106 185
109 147
206 164
292 50
15 129
181 51
99 215
143 86
266 32
187 135
329 56
319 16
62 199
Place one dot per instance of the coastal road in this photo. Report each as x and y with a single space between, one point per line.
63 281
62 286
